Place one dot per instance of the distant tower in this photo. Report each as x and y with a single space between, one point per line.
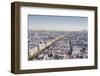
71 49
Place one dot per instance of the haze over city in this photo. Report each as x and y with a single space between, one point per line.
57 23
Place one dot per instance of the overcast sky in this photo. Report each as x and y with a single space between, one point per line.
57 23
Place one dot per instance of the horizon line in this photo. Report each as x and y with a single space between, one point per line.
57 30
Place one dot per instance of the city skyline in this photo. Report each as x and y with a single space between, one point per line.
57 23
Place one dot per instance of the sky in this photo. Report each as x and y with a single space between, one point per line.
57 23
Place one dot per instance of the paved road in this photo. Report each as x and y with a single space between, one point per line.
42 47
